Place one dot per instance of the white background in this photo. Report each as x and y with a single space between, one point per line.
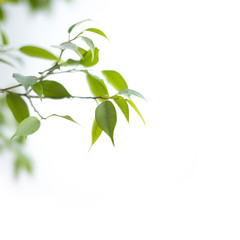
175 178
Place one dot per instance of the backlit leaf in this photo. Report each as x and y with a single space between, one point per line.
76 24
38 52
38 89
90 43
135 108
97 31
26 81
27 127
122 104
71 46
88 60
115 79
96 132
106 118
65 117
17 106
97 86
53 89
129 92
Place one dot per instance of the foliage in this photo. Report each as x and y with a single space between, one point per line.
18 98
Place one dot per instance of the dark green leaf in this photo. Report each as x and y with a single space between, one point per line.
97 86
87 60
115 79
17 106
122 104
76 24
96 132
95 30
90 43
129 92
27 127
38 89
38 52
26 81
53 89
135 108
106 118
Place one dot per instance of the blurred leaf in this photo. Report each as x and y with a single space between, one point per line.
17 106
122 104
115 79
53 89
38 89
135 108
97 86
76 24
106 118
6 62
4 38
38 52
129 92
63 116
2 14
97 31
26 81
90 43
88 60
96 132
27 127
22 163
71 46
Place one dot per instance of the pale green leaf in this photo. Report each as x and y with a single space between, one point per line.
63 116
106 118
53 89
17 106
71 46
97 31
96 132
27 127
76 24
90 43
129 92
97 86
38 52
136 109
38 89
115 79
26 81
122 104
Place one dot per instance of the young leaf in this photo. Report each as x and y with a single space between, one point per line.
96 132
53 89
17 106
27 127
71 46
26 81
63 116
4 38
76 24
135 108
129 92
115 79
38 89
106 118
122 104
90 43
88 60
97 86
38 52
97 31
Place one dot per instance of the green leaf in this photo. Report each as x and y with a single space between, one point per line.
53 89
129 92
115 79
122 104
106 118
2 14
90 43
27 127
97 86
76 24
96 132
17 106
97 31
63 116
26 81
135 108
88 60
71 46
38 52
4 38
22 163
38 89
